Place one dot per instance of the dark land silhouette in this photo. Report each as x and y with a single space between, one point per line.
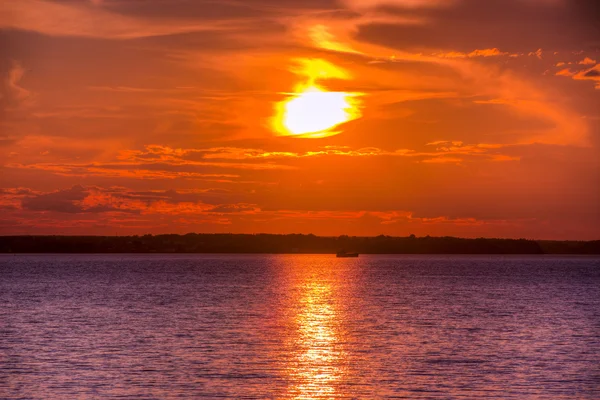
293 243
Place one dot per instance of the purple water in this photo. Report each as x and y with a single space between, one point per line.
299 326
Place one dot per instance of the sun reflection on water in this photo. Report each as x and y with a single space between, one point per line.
319 356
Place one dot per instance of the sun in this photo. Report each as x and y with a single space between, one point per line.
312 111
315 112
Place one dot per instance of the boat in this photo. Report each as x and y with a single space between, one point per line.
344 254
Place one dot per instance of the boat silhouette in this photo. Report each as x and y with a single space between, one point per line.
344 253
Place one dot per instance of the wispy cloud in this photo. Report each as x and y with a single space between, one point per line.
80 199
442 149
590 74
407 4
166 163
494 52
83 19
13 95
587 61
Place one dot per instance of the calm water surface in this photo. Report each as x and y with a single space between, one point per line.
266 326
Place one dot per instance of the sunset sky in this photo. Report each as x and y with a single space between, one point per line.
361 117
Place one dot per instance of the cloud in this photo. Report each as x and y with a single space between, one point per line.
396 217
92 199
592 74
489 79
165 163
322 37
130 171
14 77
487 53
538 53
443 160
587 61
235 208
208 196
494 52
514 25
78 209
565 72
188 158
62 201
443 148
406 4
13 96
87 20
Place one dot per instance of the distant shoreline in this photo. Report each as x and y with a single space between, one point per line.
574 255
289 244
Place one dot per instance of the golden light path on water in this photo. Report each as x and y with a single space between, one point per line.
319 357
312 111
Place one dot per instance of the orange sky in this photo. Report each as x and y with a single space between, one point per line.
462 117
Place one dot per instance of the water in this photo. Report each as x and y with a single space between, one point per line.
273 326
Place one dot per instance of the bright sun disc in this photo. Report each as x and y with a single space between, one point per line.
314 112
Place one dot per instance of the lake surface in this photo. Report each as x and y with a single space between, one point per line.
299 326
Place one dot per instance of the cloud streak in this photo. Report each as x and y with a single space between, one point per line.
14 96
82 19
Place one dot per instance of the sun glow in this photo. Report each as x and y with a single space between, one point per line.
312 111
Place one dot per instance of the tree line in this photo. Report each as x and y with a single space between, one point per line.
292 243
